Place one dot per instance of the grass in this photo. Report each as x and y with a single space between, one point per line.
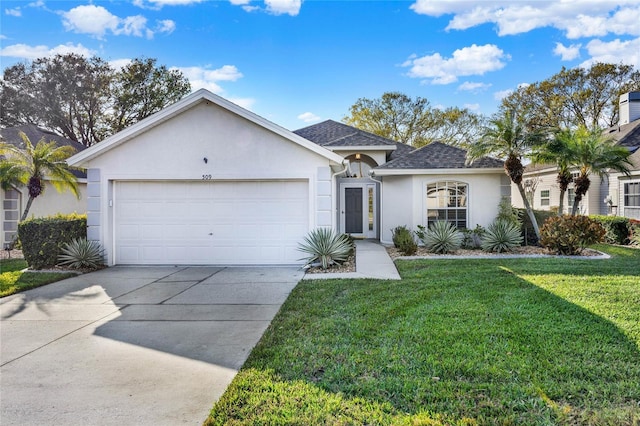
455 342
13 280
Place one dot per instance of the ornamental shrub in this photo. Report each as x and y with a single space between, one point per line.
527 227
325 247
618 228
502 236
569 235
472 238
42 239
635 236
403 240
441 237
81 253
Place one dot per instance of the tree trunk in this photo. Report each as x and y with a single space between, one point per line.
26 209
529 210
561 203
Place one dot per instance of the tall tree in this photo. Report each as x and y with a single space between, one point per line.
593 153
85 99
508 136
30 167
142 88
576 97
398 117
560 151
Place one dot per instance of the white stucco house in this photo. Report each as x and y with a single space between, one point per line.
205 181
622 190
50 202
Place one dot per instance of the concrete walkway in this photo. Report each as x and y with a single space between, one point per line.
372 261
132 345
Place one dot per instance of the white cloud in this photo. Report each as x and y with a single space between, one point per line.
274 7
577 18
472 60
308 117
90 19
567 53
614 52
33 52
246 103
13 12
118 64
97 21
158 4
281 7
473 87
500 95
166 26
204 78
472 107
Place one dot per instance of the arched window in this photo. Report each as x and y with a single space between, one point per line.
447 200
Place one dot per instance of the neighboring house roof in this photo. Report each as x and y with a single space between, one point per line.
11 135
438 155
185 104
627 135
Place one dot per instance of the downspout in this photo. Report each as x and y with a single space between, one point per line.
336 217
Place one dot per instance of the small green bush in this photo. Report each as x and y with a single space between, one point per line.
403 240
326 248
618 228
42 239
634 238
441 237
541 216
508 213
472 238
501 236
569 235
81 253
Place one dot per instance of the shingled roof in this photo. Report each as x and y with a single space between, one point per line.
627 135
437 155
11 135
332 134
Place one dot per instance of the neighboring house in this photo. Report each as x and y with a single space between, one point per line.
623 191
50 202
205 181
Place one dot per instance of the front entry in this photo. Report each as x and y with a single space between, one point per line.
358 208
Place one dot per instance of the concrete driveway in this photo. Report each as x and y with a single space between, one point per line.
132 345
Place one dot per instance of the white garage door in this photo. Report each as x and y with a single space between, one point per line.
203 223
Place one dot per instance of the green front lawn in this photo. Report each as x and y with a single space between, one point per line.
508 342
12 280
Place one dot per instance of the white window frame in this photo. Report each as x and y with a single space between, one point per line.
445 185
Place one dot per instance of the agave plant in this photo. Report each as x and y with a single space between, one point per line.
502 236
441 237
82 253
325 248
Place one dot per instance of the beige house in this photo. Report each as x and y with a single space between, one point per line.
617 194
51 202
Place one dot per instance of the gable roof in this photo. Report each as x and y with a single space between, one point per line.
437 155
332 134
184 104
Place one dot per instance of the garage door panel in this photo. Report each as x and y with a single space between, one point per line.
210 222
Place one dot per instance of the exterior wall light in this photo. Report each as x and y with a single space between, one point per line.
206 160
358 156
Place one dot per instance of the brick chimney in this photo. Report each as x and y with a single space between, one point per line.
629 107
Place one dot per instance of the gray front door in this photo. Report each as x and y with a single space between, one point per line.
353 210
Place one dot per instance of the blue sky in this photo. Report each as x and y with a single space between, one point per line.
299 62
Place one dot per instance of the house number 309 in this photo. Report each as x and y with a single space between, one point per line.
206 177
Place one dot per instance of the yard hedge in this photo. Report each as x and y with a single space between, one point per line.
42 238
618 228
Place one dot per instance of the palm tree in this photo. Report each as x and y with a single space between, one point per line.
509 137
31 165
558 151
595 154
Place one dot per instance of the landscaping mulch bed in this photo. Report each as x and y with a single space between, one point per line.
523 250
11 254
348 266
